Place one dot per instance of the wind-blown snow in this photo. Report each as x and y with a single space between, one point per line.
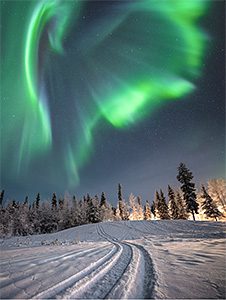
126 259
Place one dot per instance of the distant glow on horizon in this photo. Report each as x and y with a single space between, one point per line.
147 53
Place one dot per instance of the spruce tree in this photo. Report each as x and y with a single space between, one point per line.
1 198
120 201
133 207
209 207
147 211
37 201
122 206
217 190
114 211
61 203
15 204
162 207
54 202
25 201
93 212
153 209
82 212
174 210
136 208
88 198
188 188
156 204
103 201
182 214
140 213
96 198
125 211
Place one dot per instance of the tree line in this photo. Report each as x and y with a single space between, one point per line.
18 218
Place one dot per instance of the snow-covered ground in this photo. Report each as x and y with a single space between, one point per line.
132 259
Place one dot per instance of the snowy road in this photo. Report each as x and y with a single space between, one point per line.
134 259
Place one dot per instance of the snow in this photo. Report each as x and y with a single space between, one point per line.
124 259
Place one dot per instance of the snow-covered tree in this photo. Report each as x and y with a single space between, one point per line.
182 214
17 219
24 224
153 209
75 211
133 207
118 214
10 214
37 201
140 213
114 211
147 211
82 212
48 219
174 210
120 201
65 217
54 201
93 211
124 211
106 212
136 208
26 201
1 198
208 205
33 205
217 190
122 206
156 204
61 203
162 207
103 200
3 222
188 188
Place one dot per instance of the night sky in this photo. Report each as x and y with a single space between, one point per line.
100 92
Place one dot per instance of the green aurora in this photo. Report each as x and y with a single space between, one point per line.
135 60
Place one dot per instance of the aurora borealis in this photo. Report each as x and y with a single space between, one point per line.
82 79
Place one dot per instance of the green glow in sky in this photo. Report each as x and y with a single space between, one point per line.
147 54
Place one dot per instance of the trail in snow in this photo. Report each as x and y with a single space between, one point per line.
116 277
134 259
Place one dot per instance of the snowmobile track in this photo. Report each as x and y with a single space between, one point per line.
149 277
103 280
60 289
113 275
